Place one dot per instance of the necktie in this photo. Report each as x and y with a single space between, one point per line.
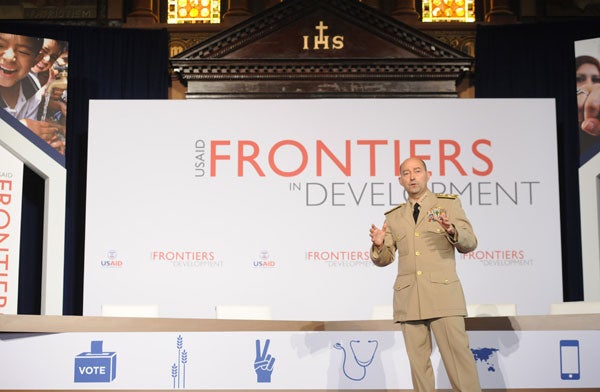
416 211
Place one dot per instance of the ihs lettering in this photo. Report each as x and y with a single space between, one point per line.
321 41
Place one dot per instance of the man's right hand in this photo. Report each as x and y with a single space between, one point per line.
377 235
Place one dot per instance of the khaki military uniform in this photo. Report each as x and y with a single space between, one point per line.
428 295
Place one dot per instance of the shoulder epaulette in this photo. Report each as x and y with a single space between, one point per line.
445 196
398 206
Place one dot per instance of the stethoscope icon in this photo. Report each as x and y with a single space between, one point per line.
363 364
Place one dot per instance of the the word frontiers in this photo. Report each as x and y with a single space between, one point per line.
6 251
291 158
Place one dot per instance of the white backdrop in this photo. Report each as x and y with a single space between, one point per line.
193 204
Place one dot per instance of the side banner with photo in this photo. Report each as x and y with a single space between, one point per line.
587 70
33 85
270 202
11 187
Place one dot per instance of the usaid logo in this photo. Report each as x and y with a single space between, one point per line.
112 260
95 365
264 261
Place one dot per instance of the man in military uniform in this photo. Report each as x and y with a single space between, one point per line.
428 296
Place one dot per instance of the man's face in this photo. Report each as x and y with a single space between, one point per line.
17 55
414 177
49 53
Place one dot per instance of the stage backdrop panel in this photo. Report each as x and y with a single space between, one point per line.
287 361
198 203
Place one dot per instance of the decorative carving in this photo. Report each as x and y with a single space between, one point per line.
316 70
463 40
374 55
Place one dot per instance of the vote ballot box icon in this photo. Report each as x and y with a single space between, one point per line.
95 365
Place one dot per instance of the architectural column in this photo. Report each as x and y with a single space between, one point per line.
405 11
500 12
141 14
237 10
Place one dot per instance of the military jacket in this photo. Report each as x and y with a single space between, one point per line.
427 285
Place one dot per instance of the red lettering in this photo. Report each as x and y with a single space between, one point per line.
4 261
292 173
248 154
250 159
452 157
4 217
322 148
397 158
483 157
372 144
5 182
214 157
5 197
413 149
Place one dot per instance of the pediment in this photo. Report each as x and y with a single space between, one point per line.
327 40
289 30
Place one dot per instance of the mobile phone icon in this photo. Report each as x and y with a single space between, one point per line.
569 359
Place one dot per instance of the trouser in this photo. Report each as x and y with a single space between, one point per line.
453 343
